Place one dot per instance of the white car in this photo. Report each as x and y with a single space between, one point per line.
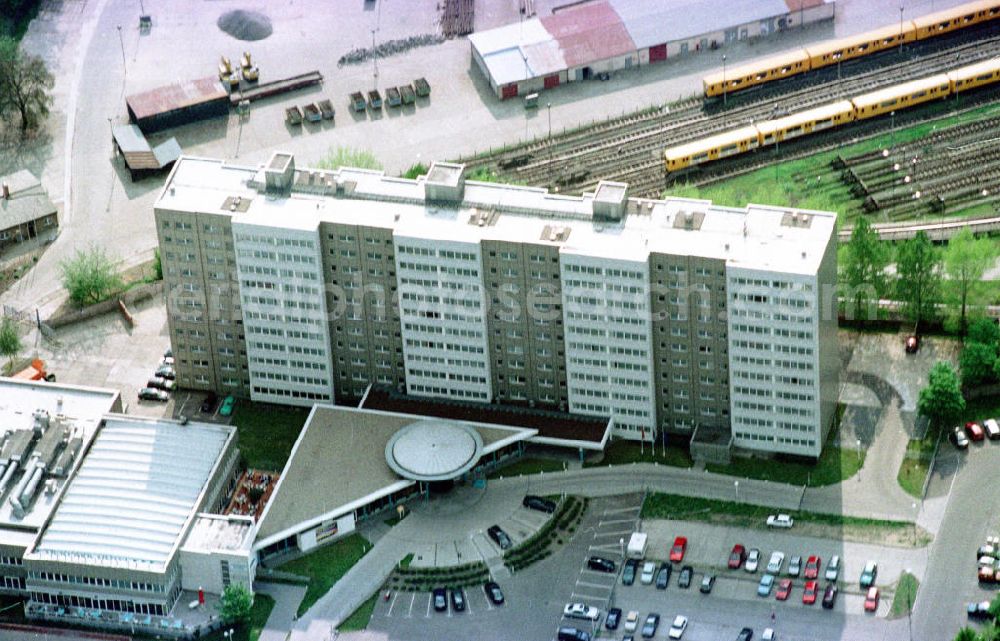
833 569
753 560
768 635
678 627
648 569
581 611
632 621
776 562
780 520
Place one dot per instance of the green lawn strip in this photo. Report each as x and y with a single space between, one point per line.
905 595
794 183
325 566
262 606
267 433
673 506
359 618
835 465
912 475
525 466
623 452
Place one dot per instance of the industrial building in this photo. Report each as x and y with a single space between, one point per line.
25 209
300 286
177 104
580 41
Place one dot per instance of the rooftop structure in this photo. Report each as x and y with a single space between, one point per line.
214 532
177 104
140 158
25 208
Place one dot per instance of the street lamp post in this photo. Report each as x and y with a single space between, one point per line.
121 41
374 60
909 610
621 544
915 515
228 634
548 106
736 484
859 460
900 29
725 86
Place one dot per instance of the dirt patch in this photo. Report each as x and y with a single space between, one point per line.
902 535
245 25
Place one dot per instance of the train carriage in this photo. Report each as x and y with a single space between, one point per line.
901 96
757 72
729 143
805 122
959 17
982 73
830 52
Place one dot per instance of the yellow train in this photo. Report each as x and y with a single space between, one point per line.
869 105
830 52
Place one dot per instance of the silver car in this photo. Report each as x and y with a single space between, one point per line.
795 566
833 569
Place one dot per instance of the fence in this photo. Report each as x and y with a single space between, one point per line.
142 292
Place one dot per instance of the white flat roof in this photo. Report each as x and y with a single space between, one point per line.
753 237
217 532
136 489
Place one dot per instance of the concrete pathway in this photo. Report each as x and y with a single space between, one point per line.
286 603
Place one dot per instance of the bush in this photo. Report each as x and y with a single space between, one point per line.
90 277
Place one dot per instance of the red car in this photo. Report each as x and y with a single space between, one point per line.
809 596
677 551
871 600
737 557
812 568
975 431
784 589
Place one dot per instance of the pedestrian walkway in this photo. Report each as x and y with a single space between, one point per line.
286 603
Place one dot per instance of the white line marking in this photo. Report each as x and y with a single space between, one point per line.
468 604
413 597
622 510
576 596
428 615
595 585
392 604
617 533
613 521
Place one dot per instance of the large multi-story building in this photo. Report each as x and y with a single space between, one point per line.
300 286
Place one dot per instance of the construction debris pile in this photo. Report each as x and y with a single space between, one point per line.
389 48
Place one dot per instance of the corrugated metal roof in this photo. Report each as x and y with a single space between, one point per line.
28 200
177 96
137 486
589 33
652 23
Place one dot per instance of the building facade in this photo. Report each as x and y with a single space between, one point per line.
664 315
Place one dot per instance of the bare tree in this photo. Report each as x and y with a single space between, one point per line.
24 84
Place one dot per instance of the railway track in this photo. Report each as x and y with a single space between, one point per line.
629 148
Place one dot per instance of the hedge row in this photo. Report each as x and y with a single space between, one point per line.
537 547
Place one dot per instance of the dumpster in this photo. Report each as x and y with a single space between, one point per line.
326 108
407 95
293 116
374 99
358 101
392 97
423 87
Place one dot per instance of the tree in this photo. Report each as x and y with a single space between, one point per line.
235 604
941 401
157 265
985 331
965 261
90 277
977 363
866 258
10 340
24 84
917 277
966 634
338 157
416 170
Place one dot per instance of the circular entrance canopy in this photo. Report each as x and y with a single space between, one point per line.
433 450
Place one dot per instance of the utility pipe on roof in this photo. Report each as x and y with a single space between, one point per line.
29 490
7 476
19 488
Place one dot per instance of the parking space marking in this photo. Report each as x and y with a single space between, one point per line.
392 603
621 510
587 597
468 604
429 597
613 521
605 547
409 613
617 533
589 572
595 585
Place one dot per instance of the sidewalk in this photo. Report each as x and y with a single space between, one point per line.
286 602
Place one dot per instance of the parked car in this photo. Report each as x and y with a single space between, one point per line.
975 431
912 344
707 583
631 621
601 564
986 574
493 593
784 590
228 404
166 371
628 572
650 626
499 537
812 568
569 633
753 560
648 570
830 596
768 635
765 585
208 405
663 576
809 592
871 599
776 562
684 580
979 610
795 566
158 382
992 429
613 619
678 549
987 550
539 503
737 556
678 627
440 599
833 568
780 520
746 634
868 574
457 600
958 438
581 611
150 394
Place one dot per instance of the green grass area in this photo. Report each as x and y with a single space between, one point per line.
917 464
359 618
623 452
325 566
262 606
673 506
794 183
267 432
406 561
835 465
905 596
525 466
